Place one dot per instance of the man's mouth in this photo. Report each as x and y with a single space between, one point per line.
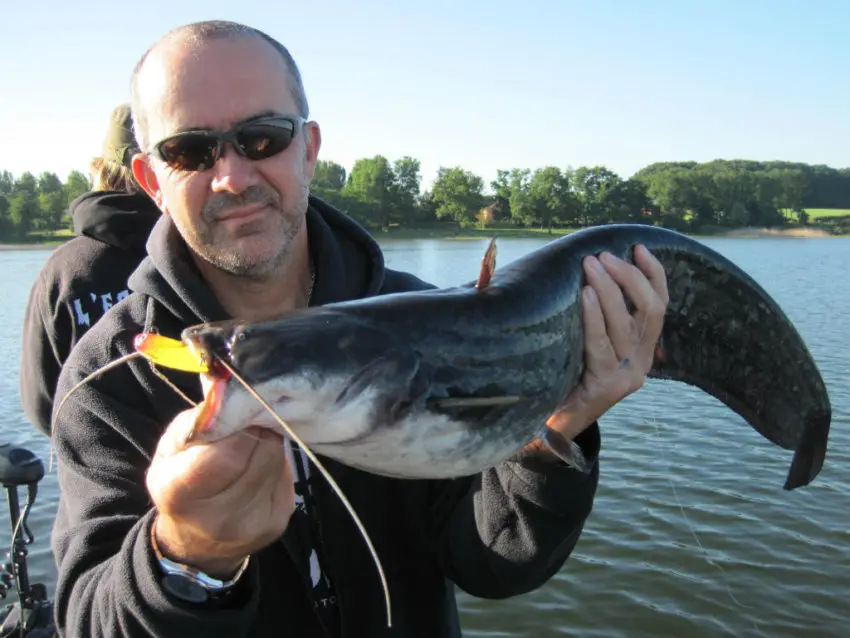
245 213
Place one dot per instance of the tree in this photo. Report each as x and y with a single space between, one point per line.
551 198
405 188
7 183
519 199
594 186
370 185
77 184
457 194
5 219
328 175
380 193
53 201
24 208
501 188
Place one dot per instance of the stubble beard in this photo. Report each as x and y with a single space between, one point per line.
249 262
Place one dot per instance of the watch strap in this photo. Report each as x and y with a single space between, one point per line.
190 583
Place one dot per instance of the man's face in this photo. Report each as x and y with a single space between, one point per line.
240 215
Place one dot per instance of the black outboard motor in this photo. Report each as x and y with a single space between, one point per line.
32 615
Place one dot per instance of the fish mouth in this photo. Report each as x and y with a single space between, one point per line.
211 344
210 407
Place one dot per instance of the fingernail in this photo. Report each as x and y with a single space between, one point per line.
609 259
595 265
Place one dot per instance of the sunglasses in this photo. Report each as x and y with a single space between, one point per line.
255 140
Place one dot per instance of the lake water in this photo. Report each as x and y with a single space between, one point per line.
691 534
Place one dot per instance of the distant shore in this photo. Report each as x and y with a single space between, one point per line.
804 232
449 232
42 246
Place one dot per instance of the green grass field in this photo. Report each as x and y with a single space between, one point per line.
817 213
47 235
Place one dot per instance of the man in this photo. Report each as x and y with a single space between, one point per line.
84 277
153 538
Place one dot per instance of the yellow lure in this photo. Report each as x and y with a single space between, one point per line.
169 353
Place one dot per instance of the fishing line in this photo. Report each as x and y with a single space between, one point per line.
694 533
668 474
691 527
681 507
327 476
172 385
94 375
106 368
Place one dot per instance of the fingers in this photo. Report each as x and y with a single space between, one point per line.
619 323
172 441
646 286
599 354
654 271
241 462
652 314
618 344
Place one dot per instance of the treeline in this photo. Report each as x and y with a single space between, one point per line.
31 203
682 195
382 194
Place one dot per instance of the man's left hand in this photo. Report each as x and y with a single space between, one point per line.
619 347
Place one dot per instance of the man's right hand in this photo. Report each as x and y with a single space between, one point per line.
219 502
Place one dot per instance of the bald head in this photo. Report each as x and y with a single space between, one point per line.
187 38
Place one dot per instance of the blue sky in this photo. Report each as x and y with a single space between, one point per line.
484 85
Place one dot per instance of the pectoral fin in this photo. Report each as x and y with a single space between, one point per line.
566 450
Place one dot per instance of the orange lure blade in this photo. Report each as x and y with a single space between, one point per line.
169 353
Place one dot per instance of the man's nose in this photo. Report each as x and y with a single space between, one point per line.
233 172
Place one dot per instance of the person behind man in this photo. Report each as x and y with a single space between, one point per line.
236 538
85 276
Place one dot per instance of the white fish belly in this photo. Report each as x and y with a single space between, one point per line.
426 446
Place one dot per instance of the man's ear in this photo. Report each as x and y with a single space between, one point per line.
146 177
312 143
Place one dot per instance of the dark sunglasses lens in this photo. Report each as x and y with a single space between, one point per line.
259 141
191 152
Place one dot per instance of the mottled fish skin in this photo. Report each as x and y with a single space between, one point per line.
388 361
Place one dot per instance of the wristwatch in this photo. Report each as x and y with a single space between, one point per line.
190 584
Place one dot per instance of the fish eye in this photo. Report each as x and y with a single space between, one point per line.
236 337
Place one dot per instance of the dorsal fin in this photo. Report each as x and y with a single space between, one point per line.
488 266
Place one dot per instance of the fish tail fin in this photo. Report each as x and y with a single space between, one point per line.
724 334
810 454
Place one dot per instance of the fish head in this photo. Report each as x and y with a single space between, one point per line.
332 376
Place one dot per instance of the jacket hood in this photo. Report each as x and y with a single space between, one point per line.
123 220
348 261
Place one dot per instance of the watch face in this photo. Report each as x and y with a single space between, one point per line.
184 588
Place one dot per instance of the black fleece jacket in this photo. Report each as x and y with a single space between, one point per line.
79 282
498 534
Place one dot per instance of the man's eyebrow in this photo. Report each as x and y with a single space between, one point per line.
262 115
251 118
